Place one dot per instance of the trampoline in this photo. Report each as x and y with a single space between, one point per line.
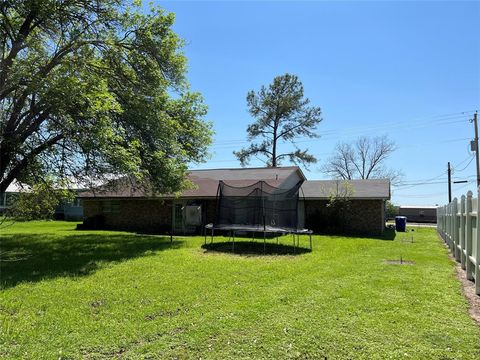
258 208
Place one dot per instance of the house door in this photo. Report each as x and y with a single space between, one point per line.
178 224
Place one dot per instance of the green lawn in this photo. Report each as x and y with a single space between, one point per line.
96 295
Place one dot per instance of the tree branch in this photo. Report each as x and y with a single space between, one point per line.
17 169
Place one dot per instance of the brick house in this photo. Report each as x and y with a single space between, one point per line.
360 209
126 206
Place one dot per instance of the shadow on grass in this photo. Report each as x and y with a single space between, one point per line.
243 247
31 257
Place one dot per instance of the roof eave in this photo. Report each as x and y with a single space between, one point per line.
355 198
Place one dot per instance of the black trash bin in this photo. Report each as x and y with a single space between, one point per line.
401 223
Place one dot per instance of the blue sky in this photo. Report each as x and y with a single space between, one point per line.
408 69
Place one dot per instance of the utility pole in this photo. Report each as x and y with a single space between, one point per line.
449 172
475 146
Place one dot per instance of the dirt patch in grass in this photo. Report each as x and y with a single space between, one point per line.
468 290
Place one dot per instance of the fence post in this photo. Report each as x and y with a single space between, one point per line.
455 234
462 232
468 244
477 252
450 228
445 222
440 221
447 231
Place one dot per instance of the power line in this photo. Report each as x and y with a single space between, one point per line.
440 120
320 155
463 186
418 184
471 159
419 196
464 160
331 136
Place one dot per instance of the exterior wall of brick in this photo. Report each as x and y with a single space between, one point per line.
359 217
210 211
148 215
91 208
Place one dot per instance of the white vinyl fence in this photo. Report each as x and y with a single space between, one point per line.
457 224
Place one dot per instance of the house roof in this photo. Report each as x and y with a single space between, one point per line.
262 173
16 187
418 207
206 184
356 189
205 181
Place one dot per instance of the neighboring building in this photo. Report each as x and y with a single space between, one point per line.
8 197
71 211
66 211
130 207
422 214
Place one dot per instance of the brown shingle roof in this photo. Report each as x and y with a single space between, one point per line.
206 182
360 189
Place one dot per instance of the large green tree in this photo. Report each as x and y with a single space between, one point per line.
90 88
282 115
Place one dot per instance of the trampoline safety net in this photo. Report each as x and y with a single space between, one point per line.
257 207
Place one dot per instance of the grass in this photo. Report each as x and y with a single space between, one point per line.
70 294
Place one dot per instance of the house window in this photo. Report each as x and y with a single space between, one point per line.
178 216
77 202
10 198
110 207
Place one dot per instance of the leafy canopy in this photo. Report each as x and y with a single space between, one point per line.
282 115
95 88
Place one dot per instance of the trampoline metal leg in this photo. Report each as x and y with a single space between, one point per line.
233 241
310 242
264 243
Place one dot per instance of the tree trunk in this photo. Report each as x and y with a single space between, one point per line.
274 144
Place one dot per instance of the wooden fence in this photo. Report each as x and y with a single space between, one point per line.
457 224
